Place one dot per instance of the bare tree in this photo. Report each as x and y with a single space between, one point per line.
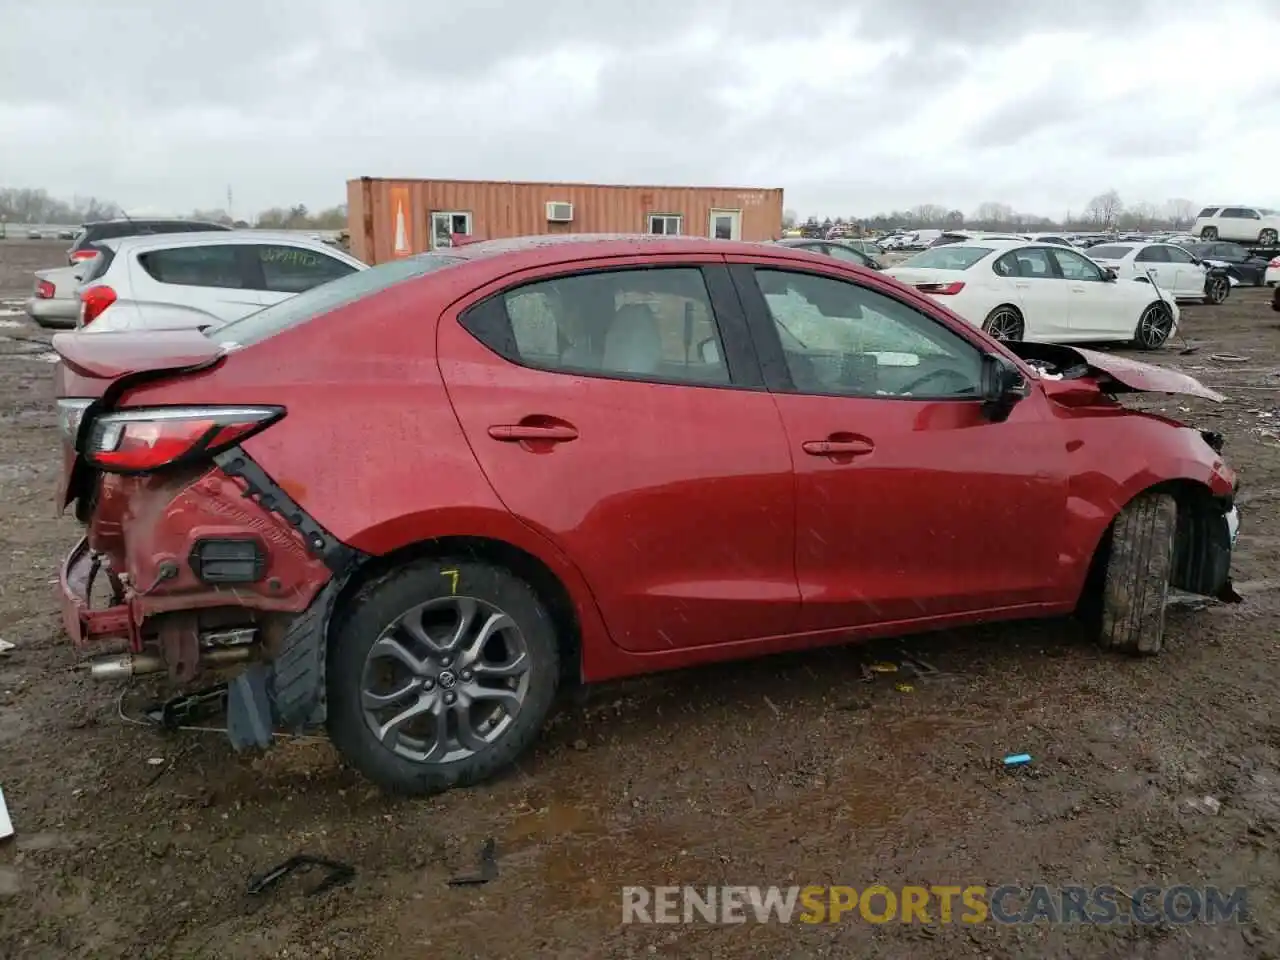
929 215
1105 209
992 214
1181 211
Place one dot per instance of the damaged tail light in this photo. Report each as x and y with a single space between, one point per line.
941 289
143 440
44 290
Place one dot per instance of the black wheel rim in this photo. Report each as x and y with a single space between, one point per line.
1155 325
1218 288
1004 325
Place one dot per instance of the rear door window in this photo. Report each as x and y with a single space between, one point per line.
288 269
653 324
216 265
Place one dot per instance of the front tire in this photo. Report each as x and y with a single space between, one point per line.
1155 325
440 674
1267 238
1209 233
1216 290
1005 323
1135 587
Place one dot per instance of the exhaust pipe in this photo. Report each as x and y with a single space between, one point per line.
138 664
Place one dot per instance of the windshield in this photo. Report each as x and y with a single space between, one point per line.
953 256
326 298
1109 253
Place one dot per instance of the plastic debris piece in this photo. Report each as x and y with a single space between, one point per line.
1228 358
6 825
1017 759
1209 805
905 688
339 874
883 666
155 761
488 868
6 646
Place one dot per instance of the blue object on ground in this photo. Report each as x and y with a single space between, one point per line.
1017 759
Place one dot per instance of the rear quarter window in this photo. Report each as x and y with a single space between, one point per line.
326 298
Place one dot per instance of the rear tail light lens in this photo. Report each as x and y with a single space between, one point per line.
44 290
80 256
1275 262
93 301
941 289
147 439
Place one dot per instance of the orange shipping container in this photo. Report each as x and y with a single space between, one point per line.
397 218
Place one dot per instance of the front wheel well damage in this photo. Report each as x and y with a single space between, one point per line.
550 590
1202 549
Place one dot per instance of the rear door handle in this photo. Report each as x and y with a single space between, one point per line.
521 432
837 448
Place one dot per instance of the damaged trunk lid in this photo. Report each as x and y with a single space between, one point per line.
94 369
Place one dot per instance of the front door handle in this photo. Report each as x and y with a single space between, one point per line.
837 448
1022 285
524 432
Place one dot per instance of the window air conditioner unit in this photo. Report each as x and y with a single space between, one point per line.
558 212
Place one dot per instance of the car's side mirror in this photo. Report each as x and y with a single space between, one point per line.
1003 385
709 351
1109 274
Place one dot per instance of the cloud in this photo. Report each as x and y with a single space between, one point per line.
853 106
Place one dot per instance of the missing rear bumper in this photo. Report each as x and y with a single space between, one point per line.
109 630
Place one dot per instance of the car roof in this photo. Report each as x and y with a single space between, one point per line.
103 223
566 247
148 241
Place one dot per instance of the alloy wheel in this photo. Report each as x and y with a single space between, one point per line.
445 680
1005 324
1219 287
1155 325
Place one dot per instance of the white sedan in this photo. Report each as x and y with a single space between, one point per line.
1272 276
1173 269
1015 290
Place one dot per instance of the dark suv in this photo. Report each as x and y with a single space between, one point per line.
90 233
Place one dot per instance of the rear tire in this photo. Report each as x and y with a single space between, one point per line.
1267 238
473 705
1005 323
1135 584
1209 233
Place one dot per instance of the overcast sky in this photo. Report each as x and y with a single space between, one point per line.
853 107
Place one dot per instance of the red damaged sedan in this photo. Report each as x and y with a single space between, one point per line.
407 504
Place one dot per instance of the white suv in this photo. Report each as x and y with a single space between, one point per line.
1240 224
184 280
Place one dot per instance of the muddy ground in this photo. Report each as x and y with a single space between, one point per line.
790 770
